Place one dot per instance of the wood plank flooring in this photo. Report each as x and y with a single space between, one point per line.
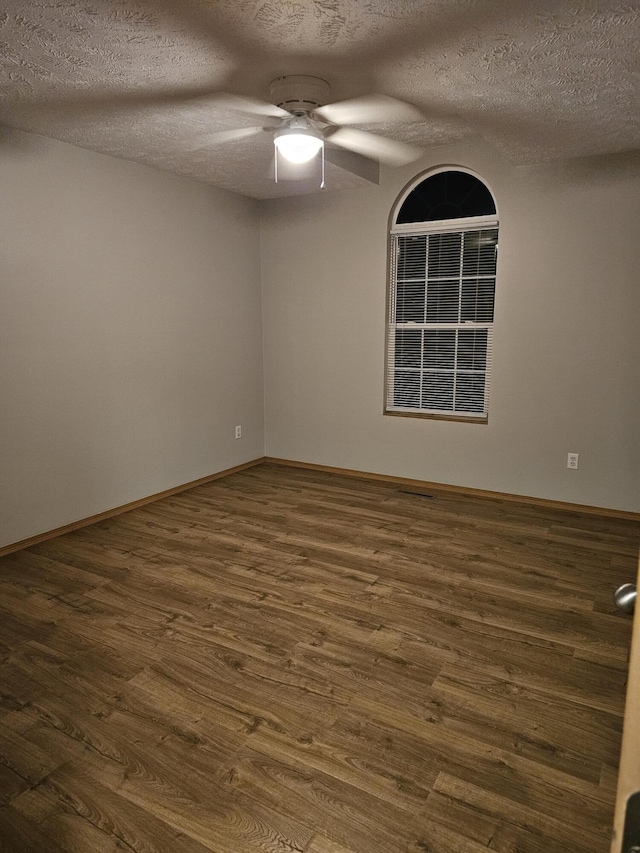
287 660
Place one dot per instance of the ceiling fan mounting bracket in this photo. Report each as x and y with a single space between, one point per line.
299 93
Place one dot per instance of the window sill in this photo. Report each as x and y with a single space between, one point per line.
465 419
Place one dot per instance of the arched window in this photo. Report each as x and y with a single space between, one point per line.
444 244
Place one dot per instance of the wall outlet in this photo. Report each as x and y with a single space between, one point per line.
239 435
572 461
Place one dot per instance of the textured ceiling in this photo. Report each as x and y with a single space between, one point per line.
540 80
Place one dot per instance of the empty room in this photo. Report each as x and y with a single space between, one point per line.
319 459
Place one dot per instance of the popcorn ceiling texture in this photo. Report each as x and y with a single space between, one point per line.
539 80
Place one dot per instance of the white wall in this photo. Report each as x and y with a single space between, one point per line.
130 334
567 347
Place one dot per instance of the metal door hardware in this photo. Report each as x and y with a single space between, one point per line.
625 599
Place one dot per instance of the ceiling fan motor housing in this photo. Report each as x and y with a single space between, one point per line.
299 93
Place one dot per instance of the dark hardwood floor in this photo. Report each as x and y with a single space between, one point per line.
286 660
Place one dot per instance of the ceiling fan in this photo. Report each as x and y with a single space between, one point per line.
301 121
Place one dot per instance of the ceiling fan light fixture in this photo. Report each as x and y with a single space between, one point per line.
299 142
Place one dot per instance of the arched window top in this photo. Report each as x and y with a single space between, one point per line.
447 194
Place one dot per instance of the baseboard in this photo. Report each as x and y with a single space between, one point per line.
461 490
329 469
110 513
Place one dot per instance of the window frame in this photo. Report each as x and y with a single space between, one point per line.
429 227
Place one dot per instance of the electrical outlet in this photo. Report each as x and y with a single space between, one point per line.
239 435
572 461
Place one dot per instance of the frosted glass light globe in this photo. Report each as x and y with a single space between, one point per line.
298 145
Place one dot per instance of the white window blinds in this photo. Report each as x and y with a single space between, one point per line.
441 321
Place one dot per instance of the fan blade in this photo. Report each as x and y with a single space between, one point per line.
370 109
355 163
223 136
111 103
252 106
380 148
